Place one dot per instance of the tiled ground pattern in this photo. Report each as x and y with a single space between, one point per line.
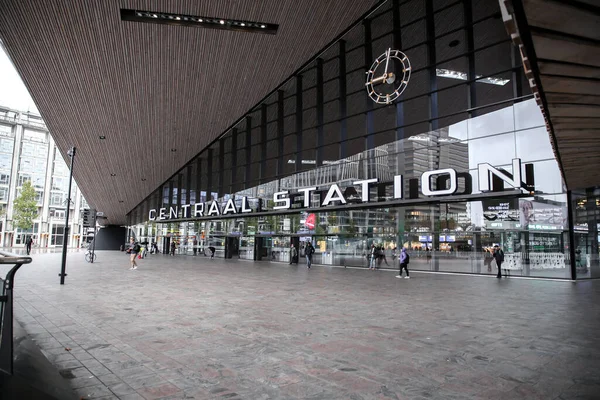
188 327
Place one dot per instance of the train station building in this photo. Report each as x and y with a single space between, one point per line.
444 127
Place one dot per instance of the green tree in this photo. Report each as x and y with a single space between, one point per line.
25 207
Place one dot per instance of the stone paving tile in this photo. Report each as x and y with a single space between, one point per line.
188 327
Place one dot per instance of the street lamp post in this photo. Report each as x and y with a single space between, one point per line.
63 267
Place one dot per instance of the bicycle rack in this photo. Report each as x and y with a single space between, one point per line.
6 309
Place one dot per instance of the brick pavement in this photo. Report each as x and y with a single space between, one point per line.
190 327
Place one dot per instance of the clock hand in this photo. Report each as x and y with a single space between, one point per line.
387 60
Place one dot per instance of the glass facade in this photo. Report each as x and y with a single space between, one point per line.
467 104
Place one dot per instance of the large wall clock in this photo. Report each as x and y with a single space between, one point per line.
388 76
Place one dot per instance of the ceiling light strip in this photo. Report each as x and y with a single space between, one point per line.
198 21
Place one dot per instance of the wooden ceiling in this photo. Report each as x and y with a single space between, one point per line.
560 46
150 88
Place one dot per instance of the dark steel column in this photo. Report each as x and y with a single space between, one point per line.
171 193
431 61
234 134
468 17
370 140
299 126
280 132
179 201
188 183
209 172
199 180
343 102
263 143
397 40
221 167
320 111
63 265
248 177
571 217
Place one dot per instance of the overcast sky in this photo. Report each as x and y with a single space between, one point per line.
13 93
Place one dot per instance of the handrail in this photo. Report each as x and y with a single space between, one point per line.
12 258
6 316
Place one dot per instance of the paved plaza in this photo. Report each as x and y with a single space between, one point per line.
190 327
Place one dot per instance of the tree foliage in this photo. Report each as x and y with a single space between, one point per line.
25 207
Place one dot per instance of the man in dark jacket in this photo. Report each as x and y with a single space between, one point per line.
308 252
28 243
499 257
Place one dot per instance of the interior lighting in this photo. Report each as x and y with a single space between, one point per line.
102 137
446 73
193 21
113 174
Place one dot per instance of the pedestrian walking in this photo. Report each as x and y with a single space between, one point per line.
133 250
404 260
372 257
309 253
195 244
173 247
212 251
499 257
293 255
28 243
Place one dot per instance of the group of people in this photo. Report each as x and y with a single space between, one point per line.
212 249
377 255
309 250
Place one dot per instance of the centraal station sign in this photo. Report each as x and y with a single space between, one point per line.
446 184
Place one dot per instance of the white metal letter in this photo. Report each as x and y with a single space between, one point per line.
365 187
398 186
173 212
184 210
245 208
161 214
152 215
230 207
199 210
486 170
334 189
278 198
213 209
306 192
426 182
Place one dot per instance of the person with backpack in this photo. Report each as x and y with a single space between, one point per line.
309 253
499 257
404 260
134 249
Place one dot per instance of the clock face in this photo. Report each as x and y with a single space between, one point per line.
388 76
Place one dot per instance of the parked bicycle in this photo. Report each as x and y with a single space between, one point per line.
89 256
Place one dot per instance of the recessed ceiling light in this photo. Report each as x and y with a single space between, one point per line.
143 179
197 21
102 137
120 201
113 174
173 150
454 43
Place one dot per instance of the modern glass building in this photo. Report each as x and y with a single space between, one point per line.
459 162
28 153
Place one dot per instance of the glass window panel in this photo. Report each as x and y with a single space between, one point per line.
497 150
